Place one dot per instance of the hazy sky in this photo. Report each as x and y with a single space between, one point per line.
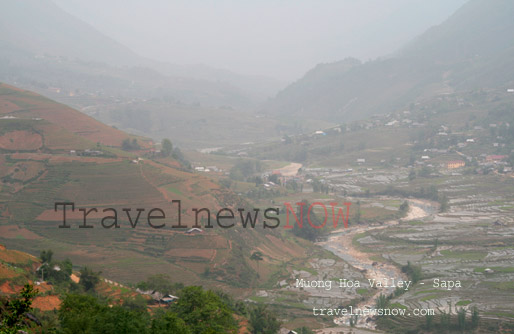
277 38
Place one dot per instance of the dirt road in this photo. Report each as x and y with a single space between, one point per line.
290 170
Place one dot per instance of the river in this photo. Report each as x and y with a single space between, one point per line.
340 243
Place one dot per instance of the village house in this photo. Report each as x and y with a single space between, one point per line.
455 164
495 158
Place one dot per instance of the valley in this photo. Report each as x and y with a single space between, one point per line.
364 196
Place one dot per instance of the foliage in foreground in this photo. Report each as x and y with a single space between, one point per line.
197 311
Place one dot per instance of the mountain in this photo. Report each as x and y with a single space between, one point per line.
49 118
42 47
42 28
46 50
52 153
472 49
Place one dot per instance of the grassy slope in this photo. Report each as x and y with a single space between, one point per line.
34 179
27 105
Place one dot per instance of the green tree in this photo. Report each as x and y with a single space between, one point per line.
58 272
168 322
263 321
86 314
256 256
89 278
274 178
445 320
12 321
382 302
461 319
429 320
243 169
161 283
203 311
137 303
166 147
475 318
46 256
414 272
425 171
353 320
125 144
135 145
358 213
117 319
404 207
77 312
444 203
306 231
129 145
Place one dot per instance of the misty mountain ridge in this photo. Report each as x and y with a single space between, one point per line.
42 46
453 56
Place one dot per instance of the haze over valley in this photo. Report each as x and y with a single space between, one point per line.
256 167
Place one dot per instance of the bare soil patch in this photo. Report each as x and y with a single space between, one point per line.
21 140
47 303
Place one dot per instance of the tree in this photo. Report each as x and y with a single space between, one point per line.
429 320
274 178
58 272
161 283
425 171
444 320
85 314
263 321
243 169
166 147
444 203
358 214
125 144
461 319
135 145
204 311
168 322
414 272
307 231
117 319
46 256
13 319
256 256
89 278
353 320
382 302
137 303
129 145
475 318
258 181
404 207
